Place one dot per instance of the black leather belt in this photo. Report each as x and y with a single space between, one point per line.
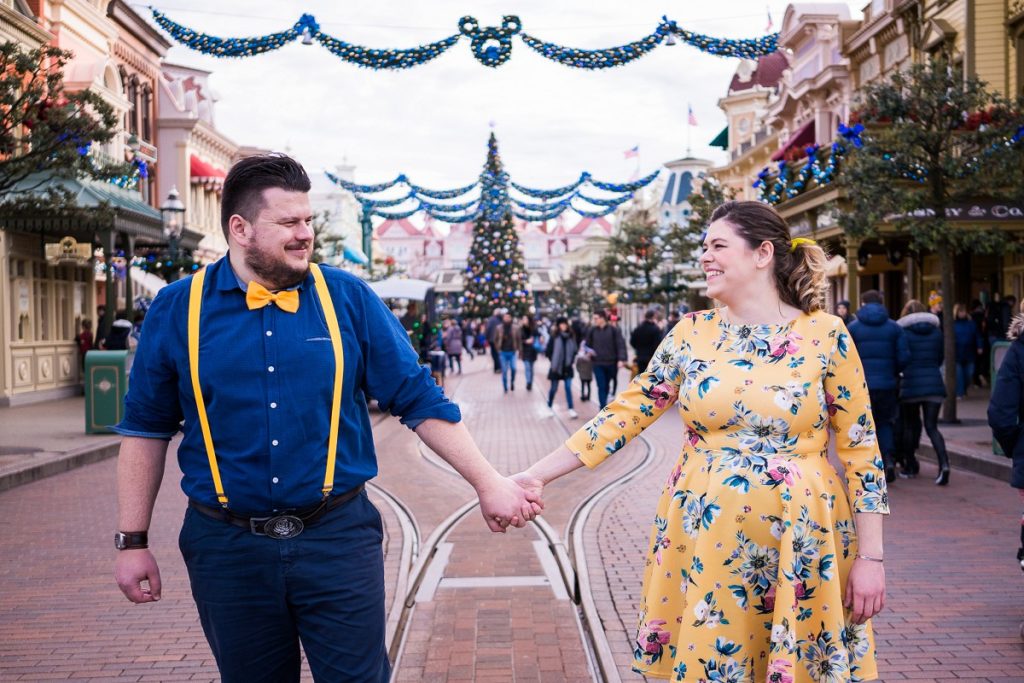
284 524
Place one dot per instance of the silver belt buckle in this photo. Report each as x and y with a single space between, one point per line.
282 527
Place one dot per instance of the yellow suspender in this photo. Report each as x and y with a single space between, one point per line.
195 303
339 373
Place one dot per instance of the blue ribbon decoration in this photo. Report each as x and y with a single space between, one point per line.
383 203
490 45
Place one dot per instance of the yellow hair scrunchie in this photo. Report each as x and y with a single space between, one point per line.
797 241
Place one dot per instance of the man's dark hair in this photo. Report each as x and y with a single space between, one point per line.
872 296
650 314
243 188
601 314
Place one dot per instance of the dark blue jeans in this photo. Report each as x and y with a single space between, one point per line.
603 375
508 368
554 390
258 597
885 408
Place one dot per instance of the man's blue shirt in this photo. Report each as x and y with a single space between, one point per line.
267 377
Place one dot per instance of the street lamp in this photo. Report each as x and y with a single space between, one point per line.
172 211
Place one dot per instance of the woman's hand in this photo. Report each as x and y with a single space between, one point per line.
865 590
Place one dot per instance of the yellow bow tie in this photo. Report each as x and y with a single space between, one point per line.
257 296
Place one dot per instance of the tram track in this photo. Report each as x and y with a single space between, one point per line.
428 559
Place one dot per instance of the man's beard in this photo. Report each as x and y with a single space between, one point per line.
276 273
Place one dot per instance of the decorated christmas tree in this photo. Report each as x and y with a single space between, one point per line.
495 274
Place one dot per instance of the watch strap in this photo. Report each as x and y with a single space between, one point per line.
131 540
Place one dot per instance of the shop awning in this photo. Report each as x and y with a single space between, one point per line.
131 215
805 135
202 172
128 214
722 139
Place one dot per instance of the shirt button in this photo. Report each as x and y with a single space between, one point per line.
273 405
274 442
270 369
274 480
269 333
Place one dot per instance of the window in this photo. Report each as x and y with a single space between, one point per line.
146 106
133 108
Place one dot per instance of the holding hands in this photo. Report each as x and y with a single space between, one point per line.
505 503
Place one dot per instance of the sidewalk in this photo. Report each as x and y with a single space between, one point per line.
44 439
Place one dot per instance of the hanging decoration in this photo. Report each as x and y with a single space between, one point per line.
788 181
494 199
489 45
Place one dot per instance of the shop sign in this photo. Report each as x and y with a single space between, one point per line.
975 212
68 250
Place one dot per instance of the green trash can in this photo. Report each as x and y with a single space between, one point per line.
106 383
996 357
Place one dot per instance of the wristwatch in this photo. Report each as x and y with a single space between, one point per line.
131 540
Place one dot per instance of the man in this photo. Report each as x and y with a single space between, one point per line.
508 339
645 339
609 353
884 351
281 543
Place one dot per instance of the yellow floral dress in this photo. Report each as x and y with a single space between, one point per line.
754 534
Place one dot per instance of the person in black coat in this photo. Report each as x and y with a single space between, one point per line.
922 389
645 339
883 351
1006 410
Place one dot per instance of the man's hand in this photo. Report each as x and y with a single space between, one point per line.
865 590
131 569
504 503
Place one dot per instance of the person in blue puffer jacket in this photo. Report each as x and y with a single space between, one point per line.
884 352
968 347
922 390
1006 411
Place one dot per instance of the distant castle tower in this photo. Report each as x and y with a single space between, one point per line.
684 178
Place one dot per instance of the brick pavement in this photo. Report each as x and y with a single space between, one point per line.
955 603
62 616
494 633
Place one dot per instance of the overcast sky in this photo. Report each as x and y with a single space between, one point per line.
431 122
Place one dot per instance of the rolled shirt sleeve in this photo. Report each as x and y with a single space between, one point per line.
394 376
152 407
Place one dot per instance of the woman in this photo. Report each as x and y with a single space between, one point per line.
1006 411
753 554
452 337
528 351
968 348
561 351
922 390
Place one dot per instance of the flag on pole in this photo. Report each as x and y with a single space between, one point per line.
771 25
632 152
690 118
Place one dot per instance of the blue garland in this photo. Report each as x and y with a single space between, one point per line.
367 189
490 45
625 187
441 194
550 194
